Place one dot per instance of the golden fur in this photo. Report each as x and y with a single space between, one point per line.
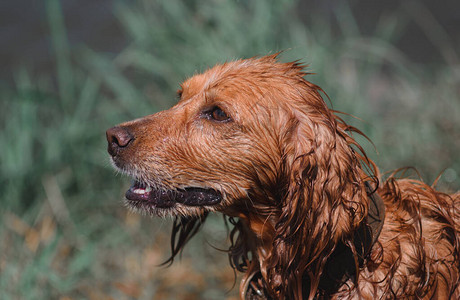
292 180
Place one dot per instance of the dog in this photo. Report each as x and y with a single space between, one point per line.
311 217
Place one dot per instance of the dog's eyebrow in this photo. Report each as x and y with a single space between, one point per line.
210 95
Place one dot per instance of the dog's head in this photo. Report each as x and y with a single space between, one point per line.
238 133
212 148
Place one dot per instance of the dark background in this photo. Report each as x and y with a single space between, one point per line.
24 27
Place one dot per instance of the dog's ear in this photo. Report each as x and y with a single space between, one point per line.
323 196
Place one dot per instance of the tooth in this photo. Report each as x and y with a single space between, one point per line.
148 189
139 191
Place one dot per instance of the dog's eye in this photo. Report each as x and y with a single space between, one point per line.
217 114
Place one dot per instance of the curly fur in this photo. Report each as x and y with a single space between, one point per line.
293 184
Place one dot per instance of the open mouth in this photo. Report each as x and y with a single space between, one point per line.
140 194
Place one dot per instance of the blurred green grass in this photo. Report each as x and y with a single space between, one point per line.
65 234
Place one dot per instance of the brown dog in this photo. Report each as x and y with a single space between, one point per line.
254 140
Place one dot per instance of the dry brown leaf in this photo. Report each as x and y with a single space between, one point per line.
131 289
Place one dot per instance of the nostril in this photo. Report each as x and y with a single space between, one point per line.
117 138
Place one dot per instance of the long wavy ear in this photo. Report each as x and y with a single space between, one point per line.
324 196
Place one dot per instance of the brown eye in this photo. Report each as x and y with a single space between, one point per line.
217 114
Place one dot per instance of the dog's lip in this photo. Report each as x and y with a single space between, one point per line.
142 194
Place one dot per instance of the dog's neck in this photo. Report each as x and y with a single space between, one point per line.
340 266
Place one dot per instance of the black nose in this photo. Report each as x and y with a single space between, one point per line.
118 138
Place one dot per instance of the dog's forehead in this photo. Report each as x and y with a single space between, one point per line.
237 75
247 82
208 79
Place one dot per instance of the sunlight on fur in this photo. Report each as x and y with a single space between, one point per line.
255 141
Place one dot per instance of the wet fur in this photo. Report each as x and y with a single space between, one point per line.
293 184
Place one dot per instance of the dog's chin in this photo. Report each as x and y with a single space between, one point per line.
188 201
